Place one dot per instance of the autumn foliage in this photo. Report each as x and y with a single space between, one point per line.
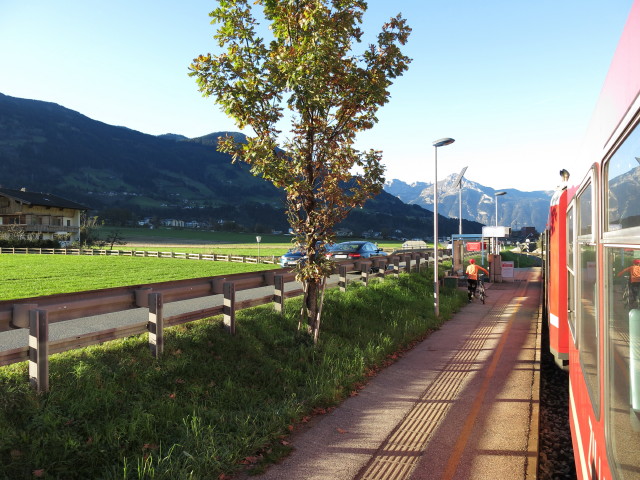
305 76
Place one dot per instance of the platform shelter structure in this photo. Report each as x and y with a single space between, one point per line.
466 242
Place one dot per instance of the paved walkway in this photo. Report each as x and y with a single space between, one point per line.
463 404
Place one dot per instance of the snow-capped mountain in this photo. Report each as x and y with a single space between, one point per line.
516 209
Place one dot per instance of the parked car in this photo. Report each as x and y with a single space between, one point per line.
355 249
291 258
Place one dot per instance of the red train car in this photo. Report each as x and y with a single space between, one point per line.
556 274
592 244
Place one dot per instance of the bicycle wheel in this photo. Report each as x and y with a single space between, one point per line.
626 297
482 295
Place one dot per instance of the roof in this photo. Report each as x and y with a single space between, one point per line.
42 199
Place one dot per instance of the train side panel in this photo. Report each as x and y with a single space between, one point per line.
603 234
557 280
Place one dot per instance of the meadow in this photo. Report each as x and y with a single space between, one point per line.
206 242
26 276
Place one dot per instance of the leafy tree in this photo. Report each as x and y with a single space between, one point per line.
331 93
89 231
13 234
115 238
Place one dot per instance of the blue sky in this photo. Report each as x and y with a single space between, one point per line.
514 82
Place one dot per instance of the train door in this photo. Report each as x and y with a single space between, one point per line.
571 285
557 277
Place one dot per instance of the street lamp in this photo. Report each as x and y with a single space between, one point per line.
498 194
458 183
436 286
495 240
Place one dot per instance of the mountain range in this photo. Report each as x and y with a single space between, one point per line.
516 209
123 175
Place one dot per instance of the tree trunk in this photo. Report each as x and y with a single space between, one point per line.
312 307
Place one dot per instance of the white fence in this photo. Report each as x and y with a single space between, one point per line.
139 253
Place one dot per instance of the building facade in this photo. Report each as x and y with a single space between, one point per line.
40 216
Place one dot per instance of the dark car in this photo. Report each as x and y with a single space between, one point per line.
291 258
356 249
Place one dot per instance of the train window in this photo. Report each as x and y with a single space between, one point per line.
588 323
585 215
587 305
622 173
570 237
571 272
623 361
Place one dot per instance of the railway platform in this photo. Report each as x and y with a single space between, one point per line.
463 404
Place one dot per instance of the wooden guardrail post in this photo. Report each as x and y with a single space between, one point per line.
278 293
418 262
396 266
365 267
39 350
342 282
229 307
156 325
409 259
380 266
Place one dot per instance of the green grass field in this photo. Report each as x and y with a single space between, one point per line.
224 243
26 276
190 236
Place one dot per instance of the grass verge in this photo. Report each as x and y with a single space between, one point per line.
213 404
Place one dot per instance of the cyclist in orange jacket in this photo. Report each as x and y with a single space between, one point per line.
472 277
634 277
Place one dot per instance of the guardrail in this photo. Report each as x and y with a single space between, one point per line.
158 254
37 313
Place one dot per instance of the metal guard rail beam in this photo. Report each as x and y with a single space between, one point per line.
61 307
69 306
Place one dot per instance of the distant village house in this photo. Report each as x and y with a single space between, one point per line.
40 215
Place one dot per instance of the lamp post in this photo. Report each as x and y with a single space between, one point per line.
495 240
498 194
458 183
436 286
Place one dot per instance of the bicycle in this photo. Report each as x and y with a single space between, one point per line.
629 299
481 291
